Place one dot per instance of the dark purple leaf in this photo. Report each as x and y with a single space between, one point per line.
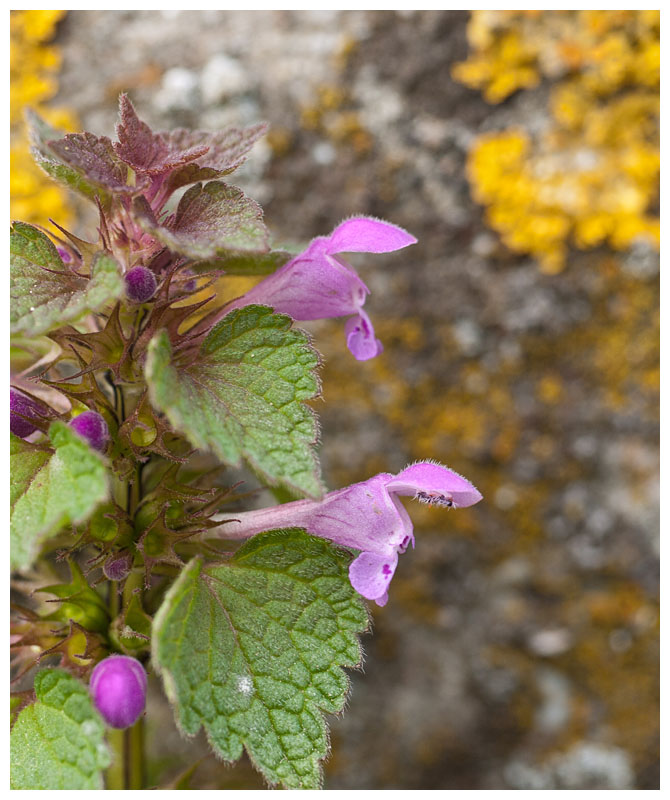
146 151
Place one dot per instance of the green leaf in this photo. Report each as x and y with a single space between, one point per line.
68 176
252 650
57 742
40 133
211 219
243 395
51 488
44 294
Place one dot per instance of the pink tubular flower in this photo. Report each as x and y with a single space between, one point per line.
318 284
366 516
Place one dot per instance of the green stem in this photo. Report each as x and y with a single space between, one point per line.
127 767
135 755
116 777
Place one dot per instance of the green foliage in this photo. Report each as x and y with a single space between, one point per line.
252 650
41 133
57 742
44 294
50 488
212 219
78 602
243 395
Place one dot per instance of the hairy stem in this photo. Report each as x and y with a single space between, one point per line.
127 768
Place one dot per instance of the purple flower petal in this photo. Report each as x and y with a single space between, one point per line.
317 284
362 516
370 575
361 338
368 235
435 484
366 516
21 406
311 286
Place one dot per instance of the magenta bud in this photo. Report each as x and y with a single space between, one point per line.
65 255
92 427
140 284
119 690
118 566
21 404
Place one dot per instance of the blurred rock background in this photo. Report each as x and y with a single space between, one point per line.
519 647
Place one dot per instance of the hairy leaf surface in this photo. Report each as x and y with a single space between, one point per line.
145 150
94 158
57 742
243 396
50 488
212 219
252 650
40 134
44 293
226 149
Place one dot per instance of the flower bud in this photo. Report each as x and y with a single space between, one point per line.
140 284
92 427
118 566
21 404
119 689
65 255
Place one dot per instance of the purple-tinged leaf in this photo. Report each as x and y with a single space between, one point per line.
189 173
94 158
226 149
40 133
44 293
211 220
146 151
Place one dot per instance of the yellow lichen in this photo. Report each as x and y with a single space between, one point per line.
591 178
33 74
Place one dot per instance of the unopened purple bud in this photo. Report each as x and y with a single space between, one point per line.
27 407
92 427
140 284
64 254
118 566
119 690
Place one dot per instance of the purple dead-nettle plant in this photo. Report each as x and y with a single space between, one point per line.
153 384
